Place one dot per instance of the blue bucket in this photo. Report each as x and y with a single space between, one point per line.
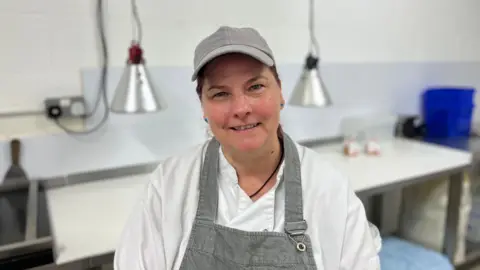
447 112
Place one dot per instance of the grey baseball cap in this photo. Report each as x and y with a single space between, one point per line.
227 39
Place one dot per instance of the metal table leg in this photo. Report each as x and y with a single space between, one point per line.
377 211
453 213
32 212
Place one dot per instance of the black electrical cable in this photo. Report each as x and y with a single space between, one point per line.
102 93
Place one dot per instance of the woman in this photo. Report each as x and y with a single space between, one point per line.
249 198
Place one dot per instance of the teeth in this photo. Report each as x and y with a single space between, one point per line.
245 127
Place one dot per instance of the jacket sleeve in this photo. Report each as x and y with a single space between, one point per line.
360 245
141 244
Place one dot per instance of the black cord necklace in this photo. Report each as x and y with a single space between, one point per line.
274 171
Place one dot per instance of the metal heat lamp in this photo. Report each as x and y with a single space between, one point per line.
135 92
310 90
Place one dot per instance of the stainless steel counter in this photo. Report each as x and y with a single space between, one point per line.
25 236
452 220
41 243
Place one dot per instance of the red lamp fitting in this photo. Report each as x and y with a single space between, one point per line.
135 53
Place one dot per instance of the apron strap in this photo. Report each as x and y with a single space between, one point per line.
208 195
294 222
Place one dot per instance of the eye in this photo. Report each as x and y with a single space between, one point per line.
257 86
220 94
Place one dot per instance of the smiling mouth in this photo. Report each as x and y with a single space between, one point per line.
245 127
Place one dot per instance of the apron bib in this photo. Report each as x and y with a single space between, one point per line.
215 247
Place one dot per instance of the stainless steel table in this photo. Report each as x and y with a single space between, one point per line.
455 176
454 196
398 168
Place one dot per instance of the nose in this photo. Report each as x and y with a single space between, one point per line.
241 106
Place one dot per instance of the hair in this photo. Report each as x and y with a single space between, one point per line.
201 80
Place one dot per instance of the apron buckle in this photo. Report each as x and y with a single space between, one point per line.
296 228
301 246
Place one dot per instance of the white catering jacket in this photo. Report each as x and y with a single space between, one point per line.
157 233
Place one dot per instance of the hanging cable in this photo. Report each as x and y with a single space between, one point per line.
137 25
102 93
314 45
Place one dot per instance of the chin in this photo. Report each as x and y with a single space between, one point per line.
249 145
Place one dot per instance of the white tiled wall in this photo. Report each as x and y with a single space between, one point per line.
46 43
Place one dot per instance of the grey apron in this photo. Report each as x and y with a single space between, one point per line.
215 247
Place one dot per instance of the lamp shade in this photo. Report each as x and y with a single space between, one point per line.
135 92
310 91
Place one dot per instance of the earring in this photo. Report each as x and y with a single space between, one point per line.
206 120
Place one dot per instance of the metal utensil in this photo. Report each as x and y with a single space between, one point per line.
15 177
13 199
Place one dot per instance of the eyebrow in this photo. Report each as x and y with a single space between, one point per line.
215 87
256 78
248 81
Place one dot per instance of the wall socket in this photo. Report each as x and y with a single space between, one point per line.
65 107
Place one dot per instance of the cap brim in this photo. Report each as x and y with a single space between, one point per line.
248 50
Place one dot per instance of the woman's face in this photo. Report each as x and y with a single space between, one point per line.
241 99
